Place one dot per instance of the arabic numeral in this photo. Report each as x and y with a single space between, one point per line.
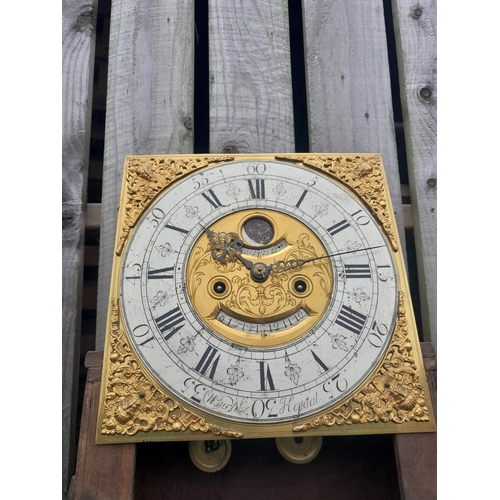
361 220
157 215
313 182
375 336
341 384
142 333
256 168
199 391
271 402
260 407
199 181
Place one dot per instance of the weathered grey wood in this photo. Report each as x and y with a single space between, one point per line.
251 107
415 32
416 454
149 105
348 84
78 48
103 472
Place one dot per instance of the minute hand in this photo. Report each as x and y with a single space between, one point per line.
281 266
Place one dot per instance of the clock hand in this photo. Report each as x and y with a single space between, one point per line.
281 266
246 263
225 242
226 247
221 243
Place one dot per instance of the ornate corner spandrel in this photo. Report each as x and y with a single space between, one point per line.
133 404
147 176
394 394
360 173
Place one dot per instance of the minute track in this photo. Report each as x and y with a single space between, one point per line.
186 349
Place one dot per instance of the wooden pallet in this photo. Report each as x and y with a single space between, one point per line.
221 76
111 471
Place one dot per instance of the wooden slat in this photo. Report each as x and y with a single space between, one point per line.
348 84
108 471
251 108
416 454
415 32
78 47
103 472
149 104
93 216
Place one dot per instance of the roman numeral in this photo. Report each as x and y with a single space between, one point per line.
258 190
320 363
176 228
211 197
160 274
301 199
266 380
169 320
357 271
340 226
351 320
207 362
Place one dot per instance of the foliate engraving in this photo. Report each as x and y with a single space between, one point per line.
134 404
192 212
146 177
338 341
253 300
160 299
362 174
235 373
393 394
292 371
321 210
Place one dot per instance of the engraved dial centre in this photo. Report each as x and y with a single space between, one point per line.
246 297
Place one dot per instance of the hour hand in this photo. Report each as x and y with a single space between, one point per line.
237 254
224 246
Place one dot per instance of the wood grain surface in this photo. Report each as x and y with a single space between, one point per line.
251 108
102 472
149 106
348 84
415 28
416 454
78 47
370 467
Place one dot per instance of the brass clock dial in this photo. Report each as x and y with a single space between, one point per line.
259 293
241 296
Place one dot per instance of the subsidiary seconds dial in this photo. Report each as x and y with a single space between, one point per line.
230 305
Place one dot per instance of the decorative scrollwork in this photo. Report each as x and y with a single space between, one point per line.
360 173
250 299
134 404
147 176
393 394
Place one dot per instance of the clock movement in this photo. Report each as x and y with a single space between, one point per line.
259 296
